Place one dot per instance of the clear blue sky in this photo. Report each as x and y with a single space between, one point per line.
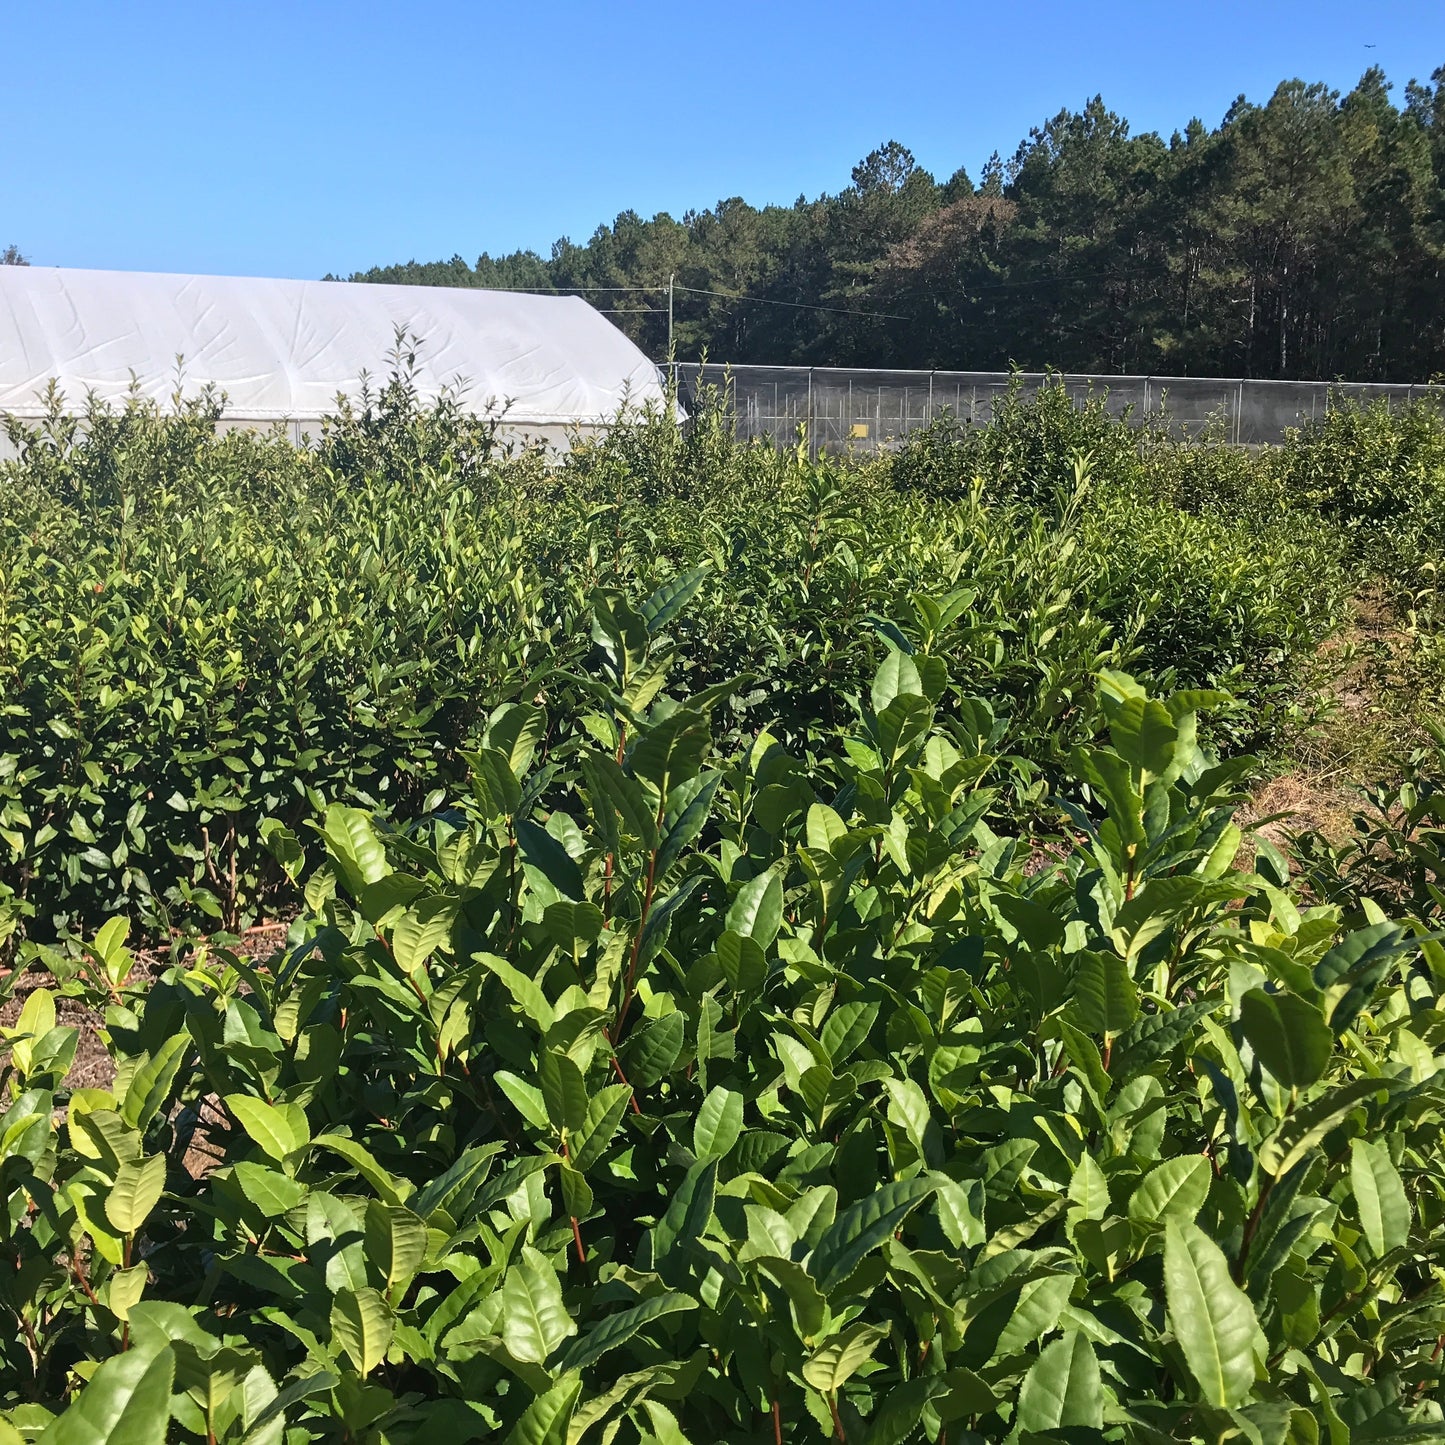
271 139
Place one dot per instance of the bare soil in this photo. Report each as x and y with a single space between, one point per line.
93 1068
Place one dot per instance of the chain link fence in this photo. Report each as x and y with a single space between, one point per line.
865 411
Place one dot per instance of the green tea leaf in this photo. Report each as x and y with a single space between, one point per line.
618 1328
1288 1035
126 1402
362 1325
1380 1197
1212 1318
1063 1388
125 1288
151 1083
861 1228
689 1212
1175 1189
280 1129
1145 735
897 676
605 1111
1089 1190
669 599
837 1360
1309 1125
719 1123
569 923
136 1192
757 911
396 1243
671 751
546 1419
845 1029
1105 998
416 935
535 1319
1036 1312
356 851
564 1090
549 858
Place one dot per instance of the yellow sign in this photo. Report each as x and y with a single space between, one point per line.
858 429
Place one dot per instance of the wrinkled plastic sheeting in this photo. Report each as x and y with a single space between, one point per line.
284 350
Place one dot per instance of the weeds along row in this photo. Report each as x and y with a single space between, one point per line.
203 632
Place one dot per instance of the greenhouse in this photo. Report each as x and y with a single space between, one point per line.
282 351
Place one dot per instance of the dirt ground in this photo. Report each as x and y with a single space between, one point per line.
93 1068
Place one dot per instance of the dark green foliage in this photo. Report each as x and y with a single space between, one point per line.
822 1111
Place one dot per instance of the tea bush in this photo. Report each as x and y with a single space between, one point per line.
1026 451
201 631
182 663
654 1092
1378 475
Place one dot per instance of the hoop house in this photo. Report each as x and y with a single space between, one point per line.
282 351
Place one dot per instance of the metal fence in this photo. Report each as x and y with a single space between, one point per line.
866 411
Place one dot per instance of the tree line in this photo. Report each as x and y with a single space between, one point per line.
1303 237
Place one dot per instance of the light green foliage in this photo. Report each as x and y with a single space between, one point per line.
850 1121
205 640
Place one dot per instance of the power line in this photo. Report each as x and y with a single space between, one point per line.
796 305
559 290
700 291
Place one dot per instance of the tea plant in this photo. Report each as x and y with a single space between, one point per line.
654 1092
201 631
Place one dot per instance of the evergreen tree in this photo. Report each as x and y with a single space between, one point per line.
1301 237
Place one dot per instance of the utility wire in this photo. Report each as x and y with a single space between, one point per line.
1033 282
1025 283
797 305
699 291
558 290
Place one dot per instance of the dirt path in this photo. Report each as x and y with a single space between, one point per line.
1366 725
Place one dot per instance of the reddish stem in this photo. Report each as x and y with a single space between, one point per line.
622 1078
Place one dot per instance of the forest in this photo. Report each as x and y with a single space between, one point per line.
1299 238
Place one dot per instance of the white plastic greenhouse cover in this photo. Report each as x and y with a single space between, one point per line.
284 349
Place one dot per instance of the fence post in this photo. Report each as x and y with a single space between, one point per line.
812 430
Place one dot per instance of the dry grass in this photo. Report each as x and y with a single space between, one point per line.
1364 726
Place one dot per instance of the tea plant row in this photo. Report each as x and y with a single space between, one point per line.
200 632
668 1092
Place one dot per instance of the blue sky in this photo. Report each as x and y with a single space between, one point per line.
271 139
